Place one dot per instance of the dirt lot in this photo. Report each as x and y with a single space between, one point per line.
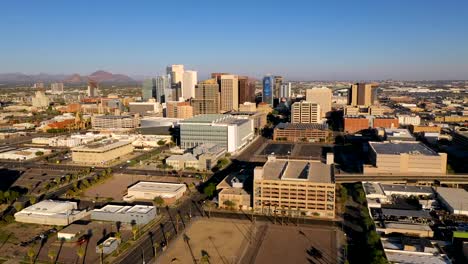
292 244
220 239
116 187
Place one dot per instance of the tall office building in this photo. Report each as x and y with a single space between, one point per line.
268 83
207 98
362 94
229 93
322 96
148 90
179 110
305 113
57 88
163 88
277 86
176 72
92 88
188 84
285 91
246 89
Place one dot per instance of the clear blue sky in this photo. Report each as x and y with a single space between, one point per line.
306 40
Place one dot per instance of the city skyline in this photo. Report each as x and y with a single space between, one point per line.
421 40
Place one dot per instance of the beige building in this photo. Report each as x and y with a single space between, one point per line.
366 110
264 108
181 162
405 157
229 93
305 113
248 107
294 187
101 152
109 122
207 98
170 192
180 110
363 94
321 96
232 189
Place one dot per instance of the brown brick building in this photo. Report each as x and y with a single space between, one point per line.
301 132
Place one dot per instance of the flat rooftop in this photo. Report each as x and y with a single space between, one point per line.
312 171
102 146
157 187
457 198
373 188
397 148
219 119
407 188
120 209
301 126
49 208
405 213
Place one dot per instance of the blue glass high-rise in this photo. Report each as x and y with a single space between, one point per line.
267 95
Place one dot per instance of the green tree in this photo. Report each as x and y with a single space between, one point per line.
31 254
32 199
39 153
18 207
373 238
80 252
135 231
161 142
209 190
52 255
158 201
230 204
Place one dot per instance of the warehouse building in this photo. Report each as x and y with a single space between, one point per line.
405 157
170 192
229 132
49 212
137 214
101 152
292 187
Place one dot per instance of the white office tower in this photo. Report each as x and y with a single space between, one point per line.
321 96
176 71
229 93
56 88
91 91
189 81
285 91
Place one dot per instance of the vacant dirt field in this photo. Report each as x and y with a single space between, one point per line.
291 244
220 239
116 187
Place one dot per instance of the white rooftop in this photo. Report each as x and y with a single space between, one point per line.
162 189
120 209
457 198
50 208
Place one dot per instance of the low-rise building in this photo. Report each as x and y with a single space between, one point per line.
455 200
101 152
301 132
229 132
137 214
24 153
108 246
414 120
398 134
181 162
170 192
115 122
143 108
293 187
355 123
232 194
405 157
50 212
73 231
259 119
248 107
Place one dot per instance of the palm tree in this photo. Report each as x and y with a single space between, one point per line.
158 202
52 254
80 252
31 254
135 231
101 249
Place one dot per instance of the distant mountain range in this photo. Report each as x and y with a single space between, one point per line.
98 76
